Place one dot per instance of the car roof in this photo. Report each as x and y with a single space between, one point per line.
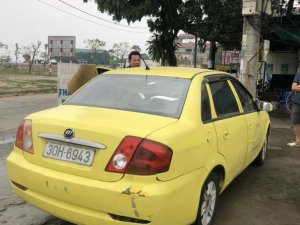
183 72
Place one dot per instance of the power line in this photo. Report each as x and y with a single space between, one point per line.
100 17
89 20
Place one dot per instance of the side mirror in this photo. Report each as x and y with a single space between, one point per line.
265 106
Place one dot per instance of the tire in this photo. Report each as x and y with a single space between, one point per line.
260 159
208 200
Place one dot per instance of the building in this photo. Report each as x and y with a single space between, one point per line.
186 51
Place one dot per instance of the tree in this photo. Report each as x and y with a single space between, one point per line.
167 18
96 45
145 56
101 58
30 52
203 21
165 26
3 45
164 19
162 47
6 59
17 52
136 48
45 54
3 57
289 7
26 57
283 7
120 51
156 50
113 58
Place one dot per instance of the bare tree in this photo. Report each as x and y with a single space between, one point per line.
45 55
96 45
121 50
113 57
32 51
3 57
17 52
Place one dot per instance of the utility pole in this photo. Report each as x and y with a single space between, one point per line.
251 42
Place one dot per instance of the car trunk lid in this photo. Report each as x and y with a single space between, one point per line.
97 134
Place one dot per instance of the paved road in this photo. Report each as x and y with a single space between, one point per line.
12 111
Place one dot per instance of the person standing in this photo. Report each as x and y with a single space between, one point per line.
295 115
134 59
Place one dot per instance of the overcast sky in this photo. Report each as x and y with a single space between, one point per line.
28 21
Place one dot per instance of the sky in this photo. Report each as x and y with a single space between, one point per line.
28 21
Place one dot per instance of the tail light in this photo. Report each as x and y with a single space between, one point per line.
24 136
140 156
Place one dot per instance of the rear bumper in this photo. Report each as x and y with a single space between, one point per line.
85 201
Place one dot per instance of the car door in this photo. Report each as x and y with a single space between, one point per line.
206 117
252 118
230 126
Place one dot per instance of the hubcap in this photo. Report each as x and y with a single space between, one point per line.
208 203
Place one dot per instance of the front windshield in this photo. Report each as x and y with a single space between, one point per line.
146 94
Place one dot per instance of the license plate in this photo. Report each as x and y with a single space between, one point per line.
74 154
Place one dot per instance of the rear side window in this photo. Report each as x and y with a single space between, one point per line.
205 106
224 100
146 94
246 99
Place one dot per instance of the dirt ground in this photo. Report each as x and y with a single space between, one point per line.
24 84
267 195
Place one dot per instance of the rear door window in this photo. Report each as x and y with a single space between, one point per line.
224 101
246 99
205 105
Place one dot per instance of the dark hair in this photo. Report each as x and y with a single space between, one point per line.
133 53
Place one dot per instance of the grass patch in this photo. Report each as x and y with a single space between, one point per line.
12 84
23 69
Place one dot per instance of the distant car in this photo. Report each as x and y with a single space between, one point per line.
52 61
136 146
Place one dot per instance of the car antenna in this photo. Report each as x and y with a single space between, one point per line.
147 67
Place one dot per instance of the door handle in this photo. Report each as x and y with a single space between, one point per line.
225 134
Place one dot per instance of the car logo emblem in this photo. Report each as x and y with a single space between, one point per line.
69 133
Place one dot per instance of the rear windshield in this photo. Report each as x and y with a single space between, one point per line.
146 94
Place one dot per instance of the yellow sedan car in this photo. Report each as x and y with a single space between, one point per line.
136 146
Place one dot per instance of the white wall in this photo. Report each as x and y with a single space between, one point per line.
65 71
280 60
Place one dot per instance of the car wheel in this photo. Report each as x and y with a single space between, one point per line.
260 159
208 200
